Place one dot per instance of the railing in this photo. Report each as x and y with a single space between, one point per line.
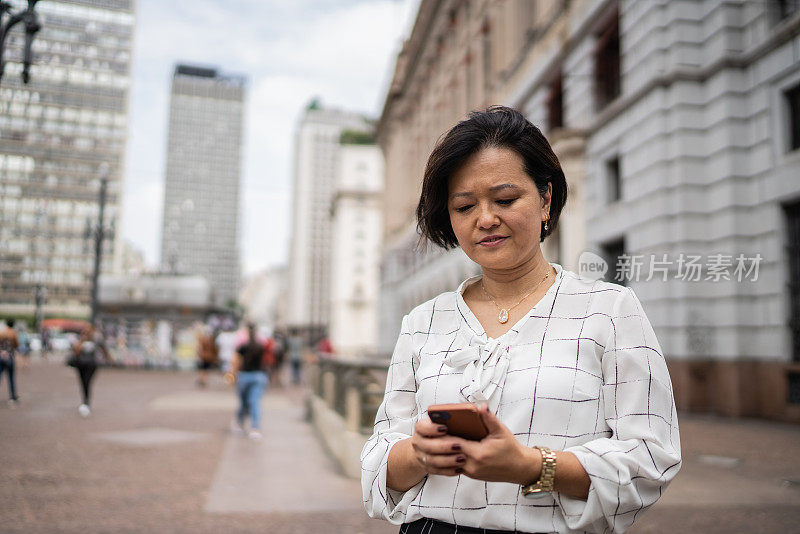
353 388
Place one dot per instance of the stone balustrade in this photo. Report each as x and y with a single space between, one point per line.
345 396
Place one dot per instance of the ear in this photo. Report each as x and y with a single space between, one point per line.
546 198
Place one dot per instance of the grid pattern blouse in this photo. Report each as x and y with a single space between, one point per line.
581 372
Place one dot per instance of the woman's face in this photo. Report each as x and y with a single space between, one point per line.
496 211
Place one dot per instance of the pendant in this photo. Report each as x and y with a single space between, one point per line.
503 317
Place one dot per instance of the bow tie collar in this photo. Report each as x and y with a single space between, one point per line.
485 363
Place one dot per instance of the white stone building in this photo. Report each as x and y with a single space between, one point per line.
316 163
678 127
357 228
687 153
264 297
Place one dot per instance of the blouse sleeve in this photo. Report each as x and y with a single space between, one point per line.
394 422
630 469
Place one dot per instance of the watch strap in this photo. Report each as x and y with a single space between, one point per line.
547 478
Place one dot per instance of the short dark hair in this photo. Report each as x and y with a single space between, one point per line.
499 127
10 322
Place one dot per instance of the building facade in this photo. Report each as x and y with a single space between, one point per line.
677 126
357 228
59 136
458 58
689 156
200 232
316 164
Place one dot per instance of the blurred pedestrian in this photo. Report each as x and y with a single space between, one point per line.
207 355
280 356
9 343
269 358
226 344
87 353
24 350
251 381
295 347
46 343
325 348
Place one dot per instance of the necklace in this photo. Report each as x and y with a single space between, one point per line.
503 316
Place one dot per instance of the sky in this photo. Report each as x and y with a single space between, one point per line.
290 51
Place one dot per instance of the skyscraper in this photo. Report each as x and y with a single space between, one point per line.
316 164
59 135
201 194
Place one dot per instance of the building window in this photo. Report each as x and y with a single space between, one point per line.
793 251
555 103
607 64
786 8
793 101
613 180
612 252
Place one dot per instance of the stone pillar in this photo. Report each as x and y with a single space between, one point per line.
352 409
329 388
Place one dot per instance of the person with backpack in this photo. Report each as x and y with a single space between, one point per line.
86 356
9 343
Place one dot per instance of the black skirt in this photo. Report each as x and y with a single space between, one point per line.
431 526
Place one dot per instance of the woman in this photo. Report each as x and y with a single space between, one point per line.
207 354
251 381
569 376
86 355
9 345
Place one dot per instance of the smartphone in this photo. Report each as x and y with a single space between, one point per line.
462 420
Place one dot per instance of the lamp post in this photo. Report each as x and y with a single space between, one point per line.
99 235
40 295
31 21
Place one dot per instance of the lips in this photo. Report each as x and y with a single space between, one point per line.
492 240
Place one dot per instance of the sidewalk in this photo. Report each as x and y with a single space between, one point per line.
156 455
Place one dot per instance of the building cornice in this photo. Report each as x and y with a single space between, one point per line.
409 57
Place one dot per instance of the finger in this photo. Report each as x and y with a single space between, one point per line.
493 424
443 462
429 429
436 446
446 472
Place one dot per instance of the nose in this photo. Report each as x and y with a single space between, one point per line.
486 216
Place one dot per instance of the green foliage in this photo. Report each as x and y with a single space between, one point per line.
355 137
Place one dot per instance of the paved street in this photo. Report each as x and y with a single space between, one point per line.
157 455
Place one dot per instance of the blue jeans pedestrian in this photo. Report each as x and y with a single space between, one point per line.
250 386
7 365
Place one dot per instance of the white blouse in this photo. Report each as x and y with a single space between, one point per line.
581 372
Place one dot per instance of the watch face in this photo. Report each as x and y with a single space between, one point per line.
536 494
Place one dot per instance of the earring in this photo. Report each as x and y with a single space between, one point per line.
545 224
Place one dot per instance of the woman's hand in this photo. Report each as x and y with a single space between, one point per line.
498 457
436 452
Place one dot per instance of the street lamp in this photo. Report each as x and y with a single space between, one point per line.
32 26
99 235
39 298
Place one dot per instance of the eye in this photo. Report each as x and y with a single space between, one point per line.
506 201
462 209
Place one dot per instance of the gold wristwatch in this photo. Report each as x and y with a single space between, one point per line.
544 485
